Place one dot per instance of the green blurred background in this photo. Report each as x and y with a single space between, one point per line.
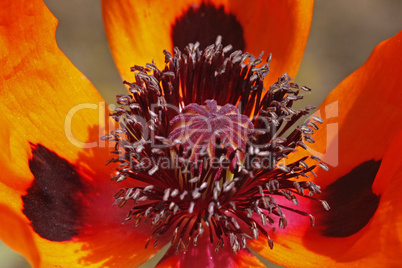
343 34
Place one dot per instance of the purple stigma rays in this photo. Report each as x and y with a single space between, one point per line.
203 129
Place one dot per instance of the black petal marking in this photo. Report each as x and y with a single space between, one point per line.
51 201
352 201
203 24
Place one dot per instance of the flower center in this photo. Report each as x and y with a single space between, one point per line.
215 166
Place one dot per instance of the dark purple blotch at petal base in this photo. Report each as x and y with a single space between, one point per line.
352 201
51 203
204 23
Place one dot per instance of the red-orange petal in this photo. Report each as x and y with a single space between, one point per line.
362 114
45 99
138 33
378 244
101 239
204 255
369 143
52 118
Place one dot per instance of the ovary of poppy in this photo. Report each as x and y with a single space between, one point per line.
41 86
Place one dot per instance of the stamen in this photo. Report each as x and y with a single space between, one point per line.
219 156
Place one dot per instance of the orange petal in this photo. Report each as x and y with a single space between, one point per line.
69 219
139 33
362 228
379 243
45 99
204 255
15 232
52 161
362 114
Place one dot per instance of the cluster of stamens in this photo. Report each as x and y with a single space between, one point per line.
206 148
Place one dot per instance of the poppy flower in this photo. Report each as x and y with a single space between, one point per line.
56 194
